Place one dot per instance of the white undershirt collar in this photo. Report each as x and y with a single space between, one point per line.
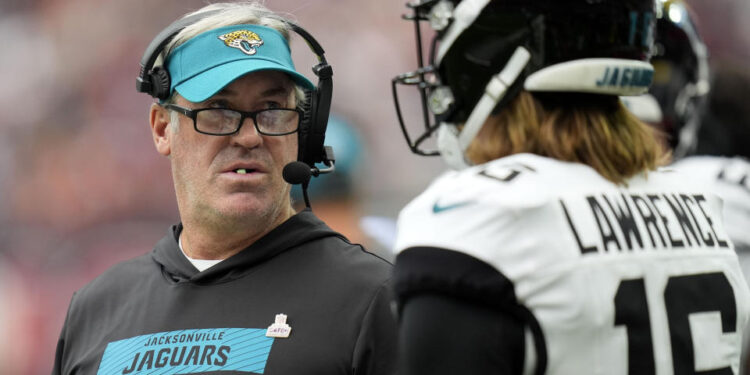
200 264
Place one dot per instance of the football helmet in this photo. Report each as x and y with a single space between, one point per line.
681 78
483 53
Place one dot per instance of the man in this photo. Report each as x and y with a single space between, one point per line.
707 130
726 170
243 284
557 245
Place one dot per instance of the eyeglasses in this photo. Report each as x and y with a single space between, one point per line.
224 121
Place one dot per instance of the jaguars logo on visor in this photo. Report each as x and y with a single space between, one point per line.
244 40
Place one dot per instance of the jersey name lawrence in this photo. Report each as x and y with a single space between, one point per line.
638 278
629 221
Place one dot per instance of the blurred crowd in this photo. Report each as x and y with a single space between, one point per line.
81 186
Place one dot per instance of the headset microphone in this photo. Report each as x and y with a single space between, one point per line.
299 173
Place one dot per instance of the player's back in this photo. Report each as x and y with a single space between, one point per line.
619 279
728 178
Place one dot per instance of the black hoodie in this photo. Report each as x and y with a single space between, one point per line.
157 314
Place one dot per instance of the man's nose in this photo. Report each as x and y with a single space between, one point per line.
248 136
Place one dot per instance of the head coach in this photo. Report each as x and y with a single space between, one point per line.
244 283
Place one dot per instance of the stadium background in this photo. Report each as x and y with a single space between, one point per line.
81 186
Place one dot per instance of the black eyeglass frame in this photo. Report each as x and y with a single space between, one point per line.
193 114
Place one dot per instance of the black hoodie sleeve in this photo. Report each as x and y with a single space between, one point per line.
375 351
57 369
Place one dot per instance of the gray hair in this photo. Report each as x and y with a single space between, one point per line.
228 14
174 121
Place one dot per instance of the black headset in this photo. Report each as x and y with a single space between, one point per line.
155 81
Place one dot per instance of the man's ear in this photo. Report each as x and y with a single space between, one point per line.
159 117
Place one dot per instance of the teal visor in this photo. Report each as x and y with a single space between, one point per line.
205 64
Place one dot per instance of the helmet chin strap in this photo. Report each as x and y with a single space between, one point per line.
453 143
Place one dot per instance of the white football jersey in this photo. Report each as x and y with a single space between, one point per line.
729 178
620 279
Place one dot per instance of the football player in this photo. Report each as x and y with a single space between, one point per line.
708 130
727 169
556 245
677 96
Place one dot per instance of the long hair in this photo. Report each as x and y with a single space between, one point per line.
590 129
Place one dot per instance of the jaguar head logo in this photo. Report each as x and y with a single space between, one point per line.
244 40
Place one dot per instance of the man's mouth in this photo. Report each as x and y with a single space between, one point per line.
243 170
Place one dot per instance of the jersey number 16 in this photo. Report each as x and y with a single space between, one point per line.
683 295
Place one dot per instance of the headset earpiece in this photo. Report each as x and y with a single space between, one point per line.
305 127
317 108
322 106
151 80
160 83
